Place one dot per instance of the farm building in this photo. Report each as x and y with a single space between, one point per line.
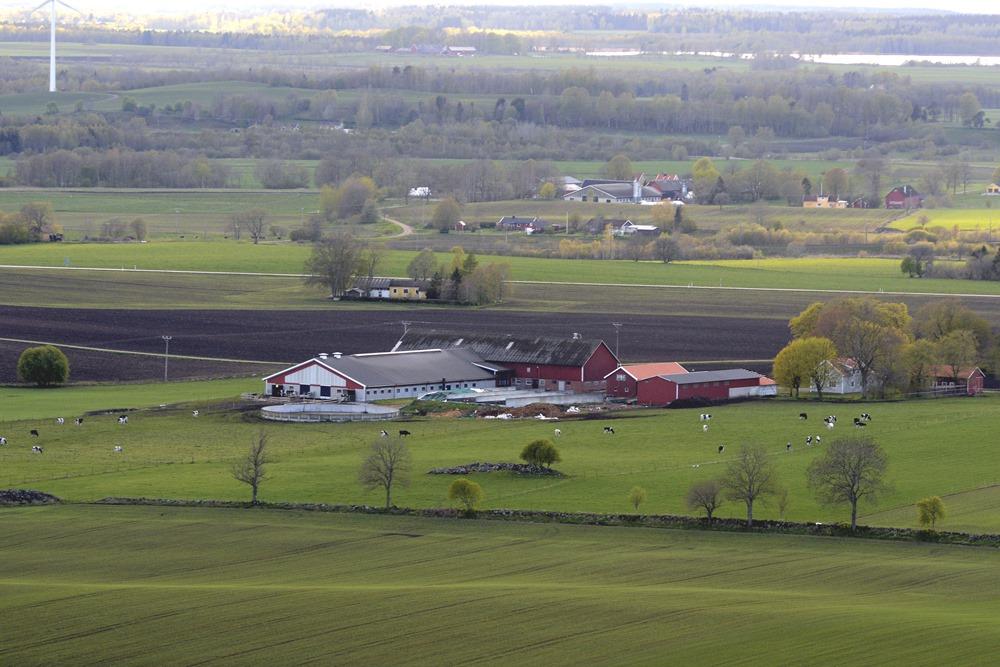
905 197
512 223
670 186
372 377
970 380
623 382
393 289
615 192
992 189
844 375
822 201
536 362
706 385
632 229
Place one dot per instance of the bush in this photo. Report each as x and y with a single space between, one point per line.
466 493
540 453
44 366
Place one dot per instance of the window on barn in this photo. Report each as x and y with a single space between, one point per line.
620 377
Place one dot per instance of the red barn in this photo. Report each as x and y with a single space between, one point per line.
970 380
905 197
706 385
623 382
534 362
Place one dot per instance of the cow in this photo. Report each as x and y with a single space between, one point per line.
803 415
818 440
34 433
705 417
704 428
858 423
866 416
829 425
78 421
722 448
35 449
788 446
119 449
194 413
608 430
809 441
3 441
383 434
403 433
123 419
60 421
557 432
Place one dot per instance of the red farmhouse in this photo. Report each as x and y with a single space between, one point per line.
534 362
970 380
707 385
904 197
623 382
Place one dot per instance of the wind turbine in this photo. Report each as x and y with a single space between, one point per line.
52 37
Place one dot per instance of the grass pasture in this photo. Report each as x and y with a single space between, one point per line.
18 403
125 586
964 219
826 274
934 447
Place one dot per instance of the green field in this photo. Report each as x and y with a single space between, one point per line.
123 585
828 274
934 447
24 403
963 219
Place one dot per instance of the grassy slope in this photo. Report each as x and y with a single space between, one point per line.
978 219
125 586
935 447
824 274
22 403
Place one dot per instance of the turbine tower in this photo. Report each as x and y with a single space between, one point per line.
52 37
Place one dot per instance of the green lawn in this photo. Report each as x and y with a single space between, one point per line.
25 403
964 219
934 447
810 273
133 585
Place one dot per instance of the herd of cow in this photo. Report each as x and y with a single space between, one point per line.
118 449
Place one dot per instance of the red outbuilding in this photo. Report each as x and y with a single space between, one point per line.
970 380
623 382
534 362
706 385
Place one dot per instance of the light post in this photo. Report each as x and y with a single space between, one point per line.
166 355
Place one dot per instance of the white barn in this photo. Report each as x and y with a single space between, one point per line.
381 375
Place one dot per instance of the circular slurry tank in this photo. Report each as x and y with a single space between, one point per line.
328 412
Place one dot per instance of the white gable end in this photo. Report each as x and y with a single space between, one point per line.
316 375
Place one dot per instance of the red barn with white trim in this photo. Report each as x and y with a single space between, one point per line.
705 385
623 382
536 362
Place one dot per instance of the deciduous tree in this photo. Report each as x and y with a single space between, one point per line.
335 262
636 497
750 477
706 496
850 470
467 494
387 465
251 468
540 453
44 366
930 510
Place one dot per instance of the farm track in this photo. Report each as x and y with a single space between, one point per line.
278 336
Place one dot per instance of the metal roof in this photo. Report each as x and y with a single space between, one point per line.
712 376
387 369
504 349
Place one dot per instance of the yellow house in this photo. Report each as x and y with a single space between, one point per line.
406 290
993 189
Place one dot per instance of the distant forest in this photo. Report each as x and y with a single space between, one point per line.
488 28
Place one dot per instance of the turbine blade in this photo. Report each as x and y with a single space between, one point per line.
41 5
67 6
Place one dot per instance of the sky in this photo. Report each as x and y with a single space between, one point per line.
192 6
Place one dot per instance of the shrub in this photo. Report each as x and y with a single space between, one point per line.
929 511
44 366
540 453
466 493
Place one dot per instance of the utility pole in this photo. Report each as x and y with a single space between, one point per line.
166 355
618 327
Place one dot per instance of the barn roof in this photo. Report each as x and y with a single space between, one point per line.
643 371
945 371
386 369
504 349
712 376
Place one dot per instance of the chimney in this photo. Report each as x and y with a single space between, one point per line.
338 355
576 336
322 355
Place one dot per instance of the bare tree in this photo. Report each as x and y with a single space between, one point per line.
749 477
253 221
371 257
387 465
251 468
335 262
705 495
850 470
